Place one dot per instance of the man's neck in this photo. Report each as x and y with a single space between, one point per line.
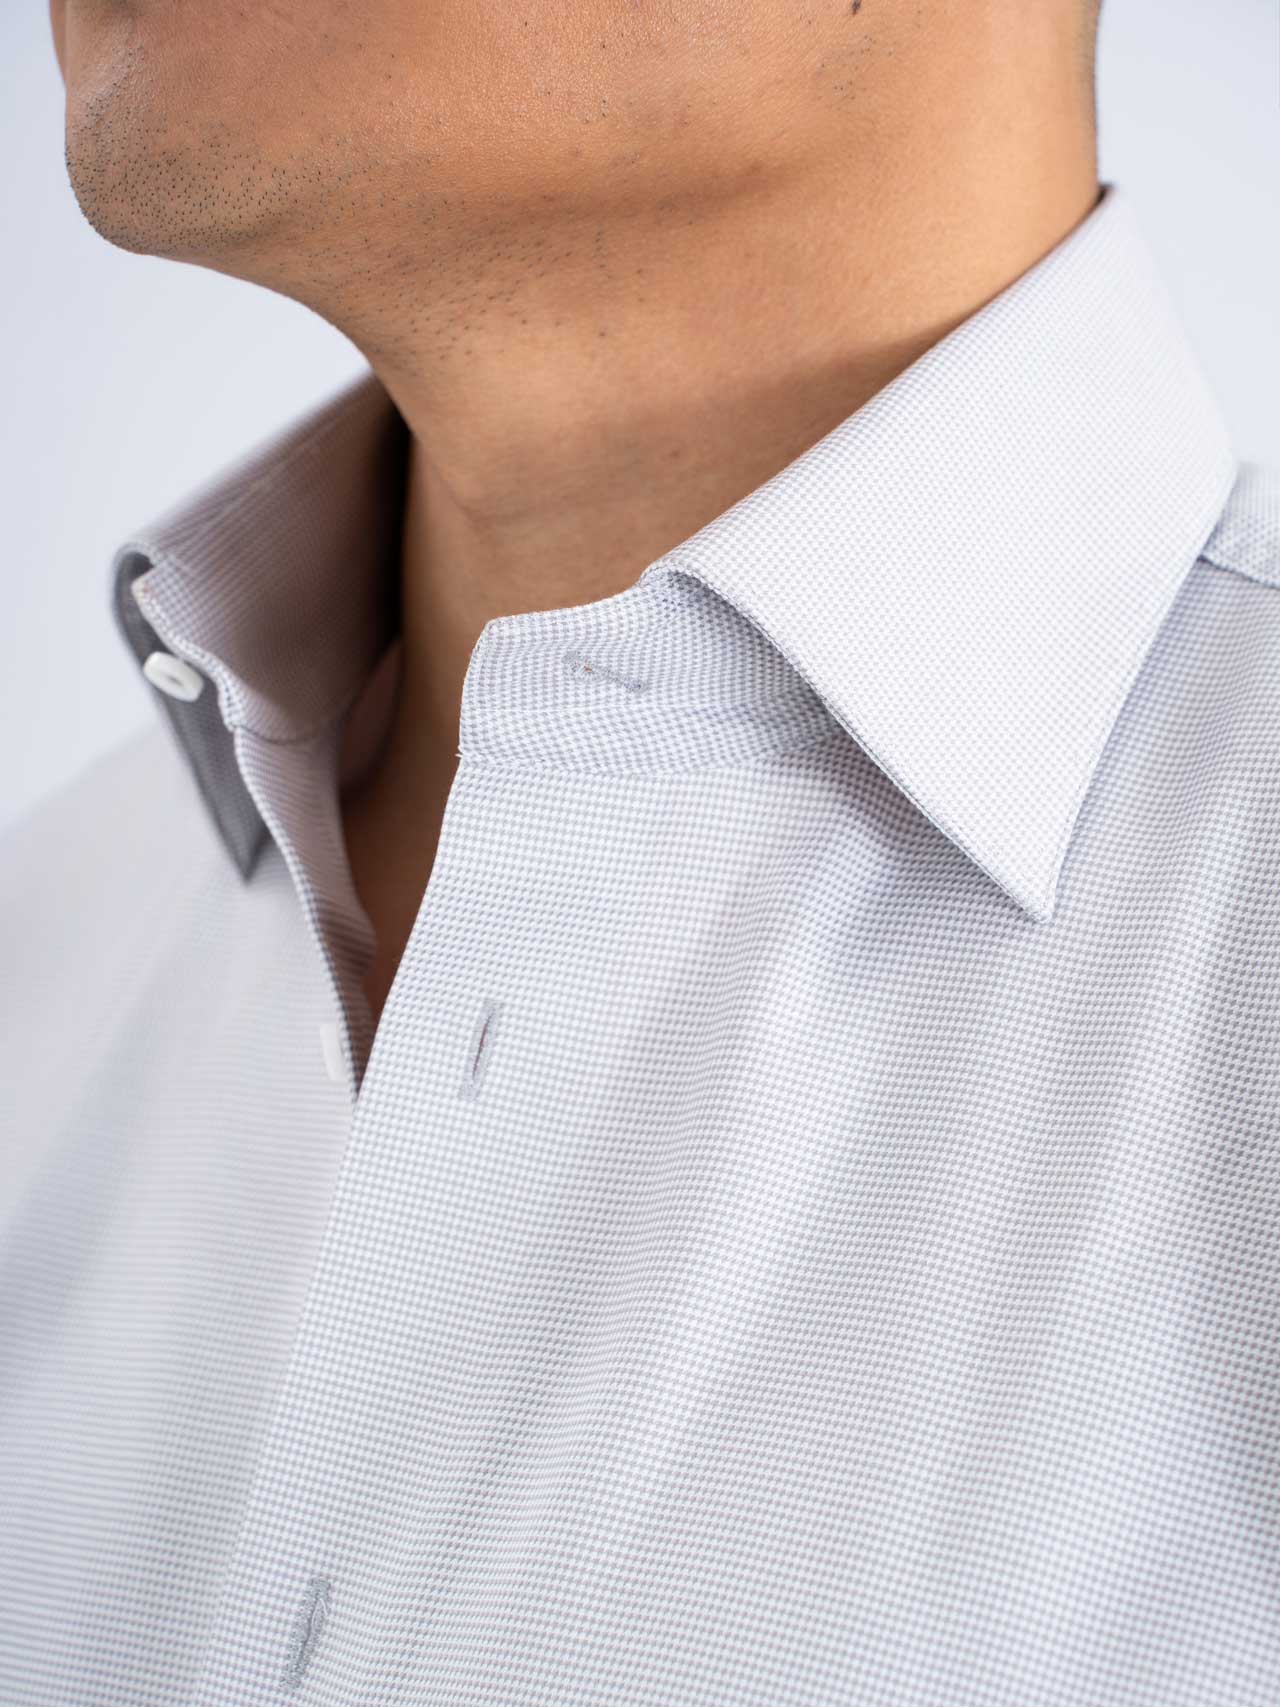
629 376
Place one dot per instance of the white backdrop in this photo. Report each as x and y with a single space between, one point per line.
103 350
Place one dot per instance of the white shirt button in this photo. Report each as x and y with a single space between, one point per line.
173 676
331 1044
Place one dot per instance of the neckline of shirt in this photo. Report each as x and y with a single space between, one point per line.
967 572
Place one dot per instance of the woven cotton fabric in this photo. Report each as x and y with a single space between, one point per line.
806 1226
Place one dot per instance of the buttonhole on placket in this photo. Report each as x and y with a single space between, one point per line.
313 1609
603 672
480 1049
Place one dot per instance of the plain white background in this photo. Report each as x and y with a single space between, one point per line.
129 380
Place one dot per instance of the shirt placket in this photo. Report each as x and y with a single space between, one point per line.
284 1587
467 1077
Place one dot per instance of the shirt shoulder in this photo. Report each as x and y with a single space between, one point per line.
102 857
1246 538
1211 702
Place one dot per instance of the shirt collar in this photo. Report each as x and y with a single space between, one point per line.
970 569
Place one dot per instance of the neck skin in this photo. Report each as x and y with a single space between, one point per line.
669 357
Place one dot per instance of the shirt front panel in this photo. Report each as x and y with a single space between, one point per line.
767 1265
169 1141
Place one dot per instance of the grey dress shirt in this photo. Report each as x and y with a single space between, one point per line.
806 1227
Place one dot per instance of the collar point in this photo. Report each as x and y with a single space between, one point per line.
1038 901
1035 893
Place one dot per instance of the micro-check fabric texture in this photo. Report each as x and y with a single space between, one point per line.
805 1228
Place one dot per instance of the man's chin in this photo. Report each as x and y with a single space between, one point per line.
141 179
118 190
